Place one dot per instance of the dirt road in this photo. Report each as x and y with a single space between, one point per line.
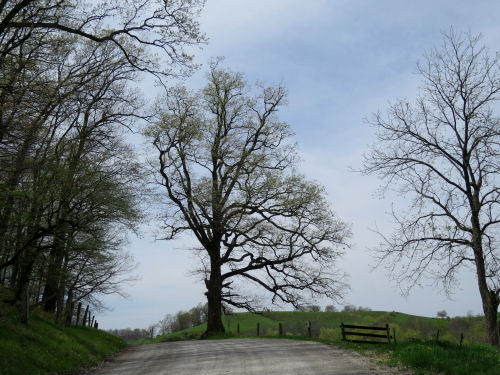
240 356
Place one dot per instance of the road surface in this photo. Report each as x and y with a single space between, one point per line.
240 356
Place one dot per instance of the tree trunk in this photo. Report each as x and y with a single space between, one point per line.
491 315
69 309
489 299
24 273
25 302
54 272
214 297
60 303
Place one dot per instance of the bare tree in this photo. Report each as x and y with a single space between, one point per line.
443 152
228 169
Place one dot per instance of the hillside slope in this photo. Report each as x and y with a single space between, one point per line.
325 325
45 348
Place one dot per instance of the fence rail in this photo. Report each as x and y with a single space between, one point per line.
386 335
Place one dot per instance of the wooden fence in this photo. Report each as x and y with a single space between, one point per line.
360 331
368 334
86 317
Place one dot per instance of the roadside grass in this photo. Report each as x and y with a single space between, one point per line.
45 348
449 359
432 357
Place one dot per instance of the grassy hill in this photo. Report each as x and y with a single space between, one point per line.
45 348
325 325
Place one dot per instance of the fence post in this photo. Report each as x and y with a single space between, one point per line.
78 311
461 338
308 324
437 335
96 325
84 321
343 331
394 334
238 328
92 323
258 328
280 329
388 333
70 307
69 315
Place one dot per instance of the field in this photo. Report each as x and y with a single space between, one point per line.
45 348
417 346
325 325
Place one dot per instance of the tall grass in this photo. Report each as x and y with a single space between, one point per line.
45 348
447 358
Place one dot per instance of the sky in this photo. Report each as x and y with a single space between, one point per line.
341 60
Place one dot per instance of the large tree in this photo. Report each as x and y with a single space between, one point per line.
228 168
443 153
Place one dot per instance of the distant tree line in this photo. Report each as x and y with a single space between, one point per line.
332 308
129 334
170 323
69 183
182 320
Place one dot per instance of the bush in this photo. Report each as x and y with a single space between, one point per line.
272 332
330 334
442 314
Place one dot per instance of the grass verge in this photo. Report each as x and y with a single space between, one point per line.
447 358
45 348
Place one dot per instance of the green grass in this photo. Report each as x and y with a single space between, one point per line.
326 325
447 358
45 348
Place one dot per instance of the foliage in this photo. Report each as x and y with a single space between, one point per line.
442 314
69 184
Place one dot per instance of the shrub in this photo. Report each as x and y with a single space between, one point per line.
442 314
272 332
330 334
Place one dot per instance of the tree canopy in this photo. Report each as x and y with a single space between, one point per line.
228 170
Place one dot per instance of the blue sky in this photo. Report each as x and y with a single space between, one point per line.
341 60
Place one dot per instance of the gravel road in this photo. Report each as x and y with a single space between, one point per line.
239 356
